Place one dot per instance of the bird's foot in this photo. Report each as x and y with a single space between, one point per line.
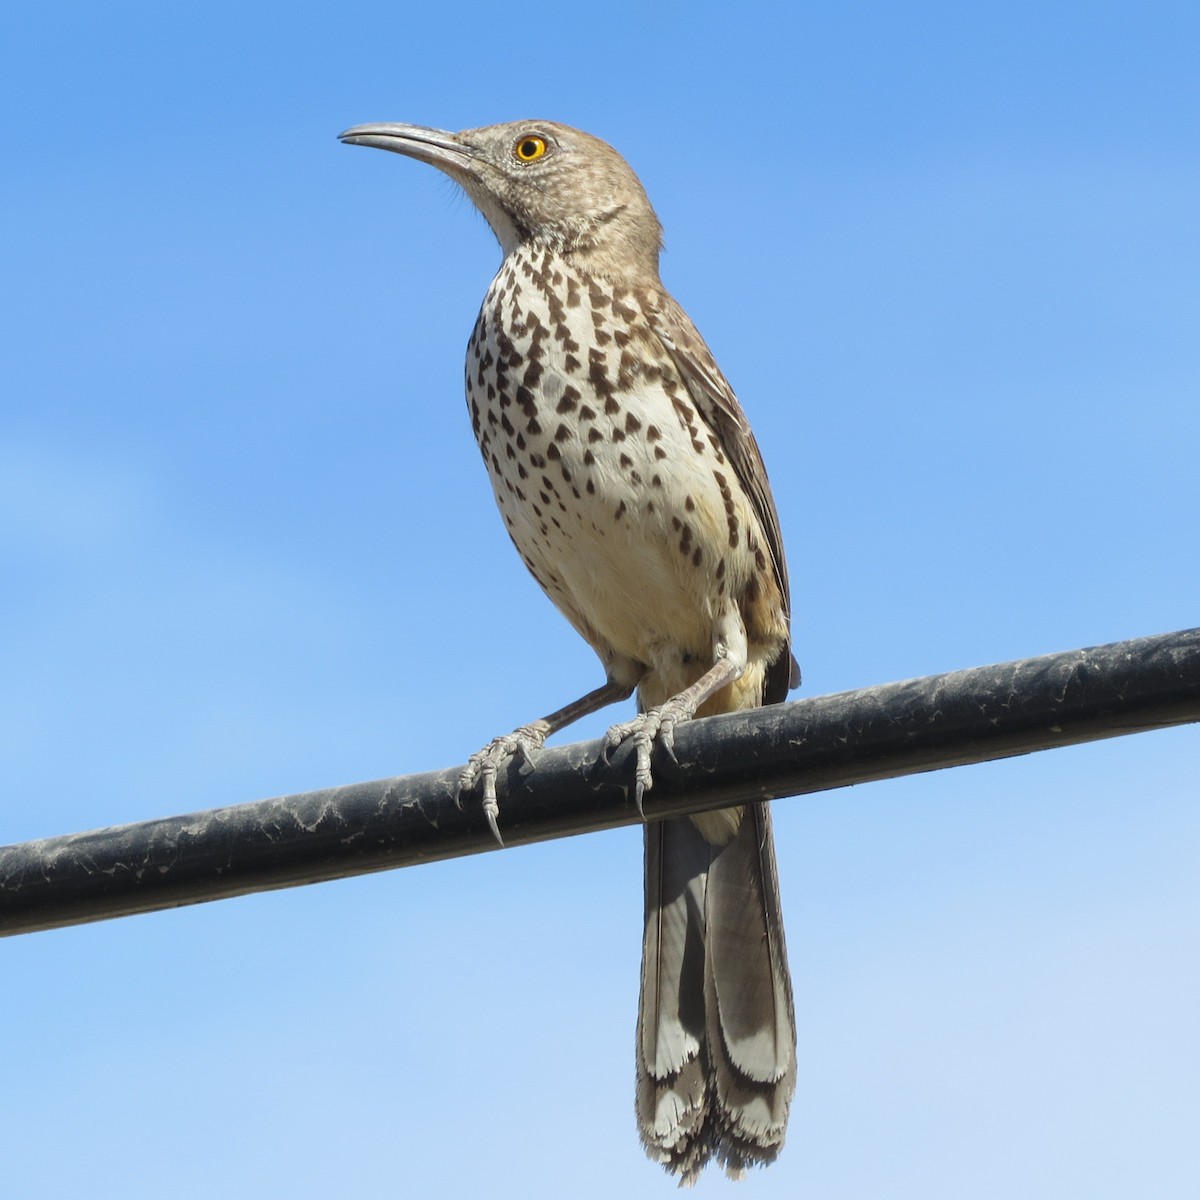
654 725
483 765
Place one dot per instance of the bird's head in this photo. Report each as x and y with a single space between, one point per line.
540 182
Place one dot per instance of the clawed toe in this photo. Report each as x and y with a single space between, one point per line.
655 725
616 737
484 765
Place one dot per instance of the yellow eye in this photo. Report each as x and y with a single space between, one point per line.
530 149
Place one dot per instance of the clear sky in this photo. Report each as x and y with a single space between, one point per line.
947 254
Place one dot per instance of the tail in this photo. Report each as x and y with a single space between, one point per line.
716 1038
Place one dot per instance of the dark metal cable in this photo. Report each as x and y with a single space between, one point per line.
785 750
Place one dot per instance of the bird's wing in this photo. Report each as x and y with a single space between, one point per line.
718 406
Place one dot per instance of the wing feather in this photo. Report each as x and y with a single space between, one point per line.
718 406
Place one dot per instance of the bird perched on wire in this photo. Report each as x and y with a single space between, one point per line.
633 489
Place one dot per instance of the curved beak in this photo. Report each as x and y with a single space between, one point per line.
434 146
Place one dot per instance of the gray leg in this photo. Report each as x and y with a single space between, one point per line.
658 723
483 765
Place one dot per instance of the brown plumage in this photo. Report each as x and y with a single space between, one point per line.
633 488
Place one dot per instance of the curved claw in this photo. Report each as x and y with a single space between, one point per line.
666 736
483 766
642 731
491 811
655 725
613 738
643 777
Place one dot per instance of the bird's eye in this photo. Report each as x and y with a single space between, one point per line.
530 149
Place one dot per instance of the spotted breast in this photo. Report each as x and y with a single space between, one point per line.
616 493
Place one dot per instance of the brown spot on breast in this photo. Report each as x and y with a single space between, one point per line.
598 373
730 511
598 299
686 415
628 369
508 350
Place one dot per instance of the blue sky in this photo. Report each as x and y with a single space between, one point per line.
948 256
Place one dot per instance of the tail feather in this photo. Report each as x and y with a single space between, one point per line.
716 1029
747 957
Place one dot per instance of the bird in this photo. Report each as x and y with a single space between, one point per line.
633 488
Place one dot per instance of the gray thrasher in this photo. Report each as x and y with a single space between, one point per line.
634 490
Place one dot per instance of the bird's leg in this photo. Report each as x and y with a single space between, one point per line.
730 653
482 766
